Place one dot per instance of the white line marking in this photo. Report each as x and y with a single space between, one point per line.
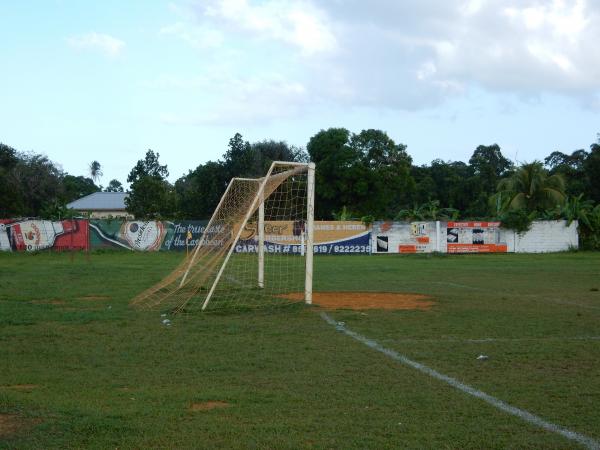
485 340
522 414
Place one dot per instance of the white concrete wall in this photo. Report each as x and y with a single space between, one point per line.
543 237
546 236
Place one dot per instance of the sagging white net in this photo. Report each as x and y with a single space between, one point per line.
222 272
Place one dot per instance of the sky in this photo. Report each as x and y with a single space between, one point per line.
83 81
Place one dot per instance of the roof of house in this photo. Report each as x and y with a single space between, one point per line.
112 201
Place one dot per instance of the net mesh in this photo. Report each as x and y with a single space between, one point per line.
207 278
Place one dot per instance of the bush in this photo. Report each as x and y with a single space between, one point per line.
518 220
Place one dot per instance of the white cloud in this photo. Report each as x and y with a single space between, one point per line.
103 43
298 23
389 54
563 18
237 100
197 37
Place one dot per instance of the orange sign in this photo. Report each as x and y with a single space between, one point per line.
480 248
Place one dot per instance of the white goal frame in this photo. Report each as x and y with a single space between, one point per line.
258 203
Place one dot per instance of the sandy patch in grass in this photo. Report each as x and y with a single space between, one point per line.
366 300
94 297
22 387
53 301
207 406
12 424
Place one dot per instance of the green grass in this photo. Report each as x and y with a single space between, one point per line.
108 376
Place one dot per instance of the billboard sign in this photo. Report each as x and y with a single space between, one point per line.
474 237
30 235
146 235
331 237
403 237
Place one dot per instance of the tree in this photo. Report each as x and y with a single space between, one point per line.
95 170
39 183
571 167
263 153
243 159
238 158
386 169
558 159
427 211
337 179
199 192
368 173
77 187
489 163
531 189
151 196
487 166
114 185
452 184
11 201
591 168
149 166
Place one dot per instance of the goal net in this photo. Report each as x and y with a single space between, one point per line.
255 252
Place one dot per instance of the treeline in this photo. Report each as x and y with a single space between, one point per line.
363 176
33 186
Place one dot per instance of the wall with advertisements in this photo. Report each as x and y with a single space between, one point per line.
472 237
331 237
152 235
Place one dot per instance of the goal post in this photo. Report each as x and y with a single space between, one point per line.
255 251
261 241
310 232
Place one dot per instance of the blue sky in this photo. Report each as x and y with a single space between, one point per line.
108 80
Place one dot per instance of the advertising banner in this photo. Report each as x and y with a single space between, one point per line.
403 237
184 235
474 237
331 237
149 235
32 235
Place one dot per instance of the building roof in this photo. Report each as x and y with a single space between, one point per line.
112 201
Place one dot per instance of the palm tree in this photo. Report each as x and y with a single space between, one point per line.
531 188
428 211
95 170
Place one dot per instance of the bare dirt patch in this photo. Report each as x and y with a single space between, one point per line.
366 300
12 424
22 387
94 297
207 406
52 301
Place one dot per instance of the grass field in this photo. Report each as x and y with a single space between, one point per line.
80 368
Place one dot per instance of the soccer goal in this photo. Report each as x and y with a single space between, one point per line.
256 251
